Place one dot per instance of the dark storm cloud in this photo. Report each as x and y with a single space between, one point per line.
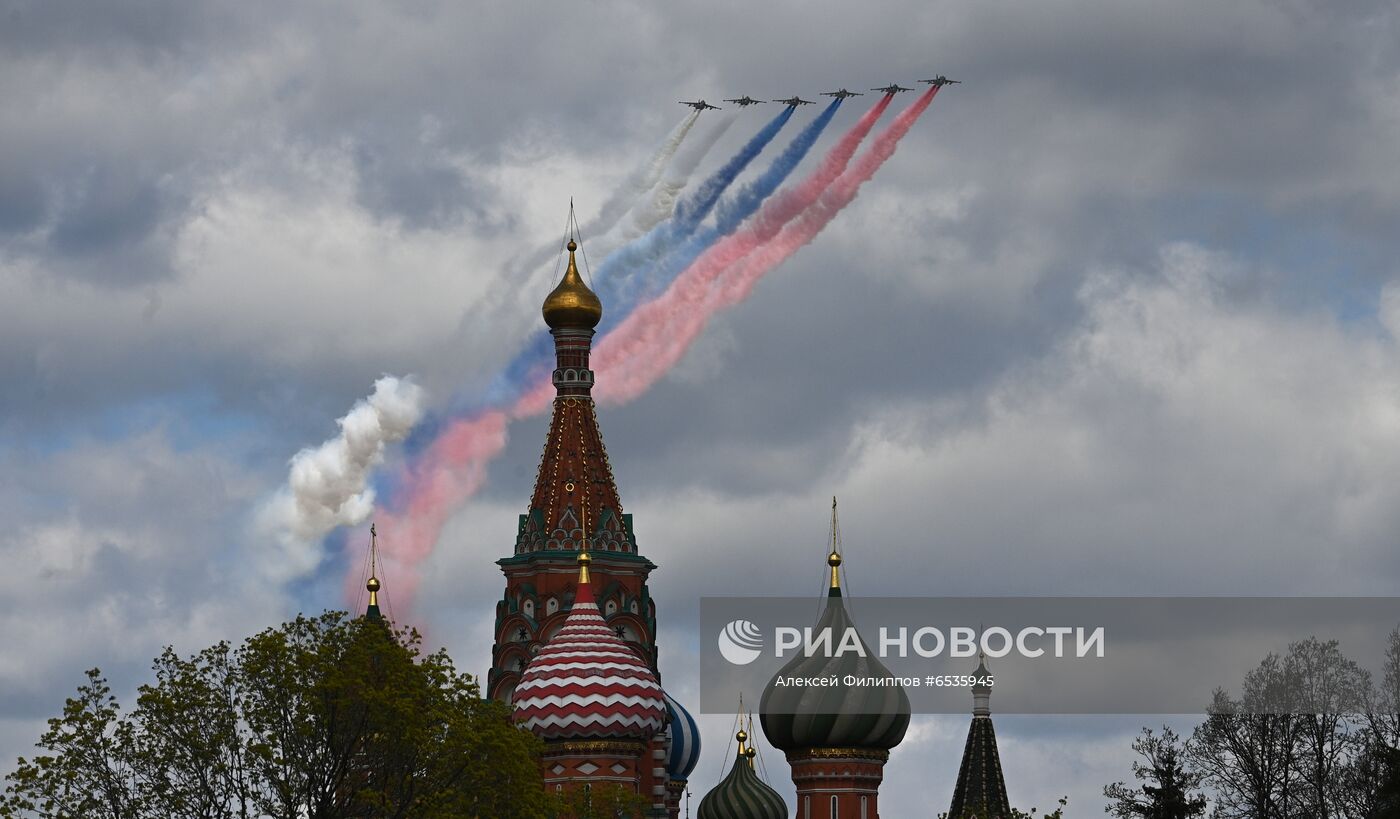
426 193
23 201
106 211
46 28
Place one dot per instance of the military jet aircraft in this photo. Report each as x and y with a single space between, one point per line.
700 105
892 89
793 102
745 101
842 94
941 81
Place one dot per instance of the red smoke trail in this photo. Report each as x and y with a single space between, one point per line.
654 337
782 208
448 472
787 204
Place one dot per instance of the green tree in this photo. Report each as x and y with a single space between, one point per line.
88 771
320 718
603 801
1167 784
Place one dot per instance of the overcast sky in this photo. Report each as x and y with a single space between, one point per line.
1120 317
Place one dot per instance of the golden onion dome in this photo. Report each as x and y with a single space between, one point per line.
572 305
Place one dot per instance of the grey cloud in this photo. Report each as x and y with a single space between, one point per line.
424 193
154 27
1070 126
116 550
23 201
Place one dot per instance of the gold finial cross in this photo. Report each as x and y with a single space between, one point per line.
834 559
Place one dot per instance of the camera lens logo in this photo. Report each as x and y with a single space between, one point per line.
741 642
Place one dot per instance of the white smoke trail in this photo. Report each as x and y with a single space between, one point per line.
650 212
328 485
618 206
642 180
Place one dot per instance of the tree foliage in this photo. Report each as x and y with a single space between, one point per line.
602 801
320 718
1309 736
1167 789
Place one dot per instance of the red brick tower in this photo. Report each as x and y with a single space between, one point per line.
575 505
593 700
575 508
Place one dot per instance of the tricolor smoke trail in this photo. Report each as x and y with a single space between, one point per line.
658 206
328 487
614 276
770 219
733 210
642 181
448 472
729 213
636 191
654 337
613 280
646 344
644 199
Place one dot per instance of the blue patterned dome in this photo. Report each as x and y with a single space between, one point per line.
685 741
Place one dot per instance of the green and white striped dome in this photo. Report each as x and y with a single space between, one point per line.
742 795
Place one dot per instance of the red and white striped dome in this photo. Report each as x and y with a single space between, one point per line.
586 683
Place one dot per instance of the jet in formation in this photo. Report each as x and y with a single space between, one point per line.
745 101
892 89
700 105
842 94
941 81
793 102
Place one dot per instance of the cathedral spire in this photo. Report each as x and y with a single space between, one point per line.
575 494
834 558
982 690
981 789
372 585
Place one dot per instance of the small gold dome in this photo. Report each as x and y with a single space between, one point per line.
572 305
751 752
833 560
742 736
373 584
